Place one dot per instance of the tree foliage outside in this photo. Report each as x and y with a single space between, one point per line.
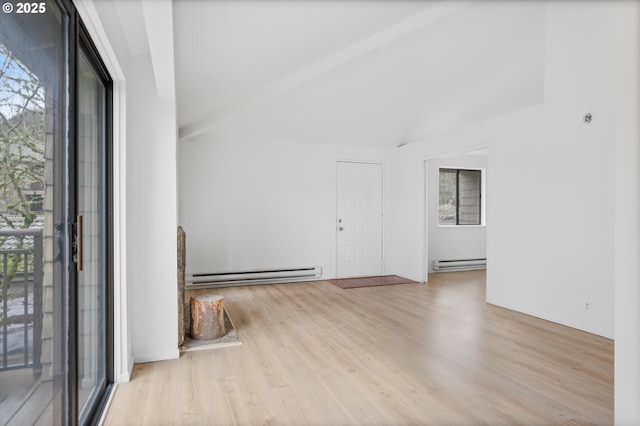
22 154
448 196
460 197
22 110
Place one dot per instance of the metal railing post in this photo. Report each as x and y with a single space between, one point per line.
31 350
5 309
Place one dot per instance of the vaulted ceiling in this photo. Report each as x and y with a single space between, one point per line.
373 73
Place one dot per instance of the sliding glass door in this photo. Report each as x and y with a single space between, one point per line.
92 231
55 250
33 215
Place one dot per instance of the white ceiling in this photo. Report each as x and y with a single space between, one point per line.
372 73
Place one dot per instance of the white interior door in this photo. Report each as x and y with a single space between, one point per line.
359 220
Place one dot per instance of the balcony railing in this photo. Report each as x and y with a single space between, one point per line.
21 270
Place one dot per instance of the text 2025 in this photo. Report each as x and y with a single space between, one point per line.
31 7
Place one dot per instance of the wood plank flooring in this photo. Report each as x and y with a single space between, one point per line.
430 354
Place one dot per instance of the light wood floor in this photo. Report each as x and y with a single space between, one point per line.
314 354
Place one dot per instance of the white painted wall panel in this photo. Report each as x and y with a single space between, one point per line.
551 181
627 214
252 205
151 216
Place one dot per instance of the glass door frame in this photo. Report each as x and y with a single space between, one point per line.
79 40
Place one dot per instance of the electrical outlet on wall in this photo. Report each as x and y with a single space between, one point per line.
587 306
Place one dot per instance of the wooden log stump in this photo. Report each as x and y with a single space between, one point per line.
207 317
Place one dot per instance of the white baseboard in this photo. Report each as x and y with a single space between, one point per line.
157 356
550 317
124 377
412 277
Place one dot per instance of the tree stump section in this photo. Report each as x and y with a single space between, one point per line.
207 317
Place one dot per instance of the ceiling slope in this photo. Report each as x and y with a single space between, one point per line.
397 73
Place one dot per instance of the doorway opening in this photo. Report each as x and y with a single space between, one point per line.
456 231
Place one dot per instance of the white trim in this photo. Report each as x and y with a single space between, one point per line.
626 224
477 169
93 24
158 356
382 227
589 328
483 192
424 226
361 162
462 226
123 360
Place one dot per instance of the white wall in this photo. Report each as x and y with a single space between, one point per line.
152 216
627 212
559 177
551 180
250 205
452 242
553 185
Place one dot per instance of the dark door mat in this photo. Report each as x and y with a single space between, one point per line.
347 283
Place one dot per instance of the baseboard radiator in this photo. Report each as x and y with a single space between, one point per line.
228 279
459 265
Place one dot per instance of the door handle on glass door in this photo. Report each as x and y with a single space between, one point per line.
79 243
